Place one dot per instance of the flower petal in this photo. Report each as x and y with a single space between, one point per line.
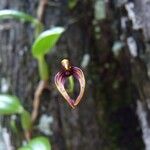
60 81
78 74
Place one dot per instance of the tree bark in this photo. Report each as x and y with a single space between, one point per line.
106 117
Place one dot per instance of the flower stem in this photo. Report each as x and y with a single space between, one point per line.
71 84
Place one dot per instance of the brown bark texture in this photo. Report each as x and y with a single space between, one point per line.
106 118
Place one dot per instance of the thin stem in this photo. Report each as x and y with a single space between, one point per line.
41 9
42 66
71 84
27 135
36 102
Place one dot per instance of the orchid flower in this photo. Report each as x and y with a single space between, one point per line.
60 78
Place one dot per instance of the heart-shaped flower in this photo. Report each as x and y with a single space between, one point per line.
60 78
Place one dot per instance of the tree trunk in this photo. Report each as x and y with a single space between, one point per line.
106 118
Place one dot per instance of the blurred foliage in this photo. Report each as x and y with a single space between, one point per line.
38 143
43 44
10 105
21 16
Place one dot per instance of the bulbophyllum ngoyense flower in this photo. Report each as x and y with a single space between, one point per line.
60 78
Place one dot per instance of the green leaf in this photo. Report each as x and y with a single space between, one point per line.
9 105
72 3
21 16
38 143
46 41
25 148
26 121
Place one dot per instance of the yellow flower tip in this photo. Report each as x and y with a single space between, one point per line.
66 64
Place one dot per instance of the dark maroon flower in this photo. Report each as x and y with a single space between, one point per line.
61 77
